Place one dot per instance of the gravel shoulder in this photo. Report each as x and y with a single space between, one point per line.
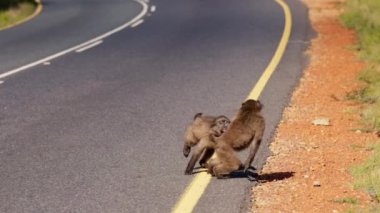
308 168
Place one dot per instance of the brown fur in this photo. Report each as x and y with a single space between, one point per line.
202 132
247 128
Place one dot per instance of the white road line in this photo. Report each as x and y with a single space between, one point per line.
1 82
137 23
22 68
89 46
153 9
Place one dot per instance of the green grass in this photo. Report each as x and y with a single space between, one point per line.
14 14
367 174
372 209
348 200
364 17
7 4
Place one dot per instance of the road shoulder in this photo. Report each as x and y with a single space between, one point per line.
308 170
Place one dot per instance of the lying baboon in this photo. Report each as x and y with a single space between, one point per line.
247 126
202 131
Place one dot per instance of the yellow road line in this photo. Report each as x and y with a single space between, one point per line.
195 189
255 93
36 12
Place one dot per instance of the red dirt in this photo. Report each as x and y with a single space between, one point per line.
305 154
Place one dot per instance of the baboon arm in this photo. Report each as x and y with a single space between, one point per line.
252 152
196 155
206 156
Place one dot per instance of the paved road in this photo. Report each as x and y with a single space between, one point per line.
101 130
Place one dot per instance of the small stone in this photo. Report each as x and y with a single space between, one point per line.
358 131
335 211
316 183
321 122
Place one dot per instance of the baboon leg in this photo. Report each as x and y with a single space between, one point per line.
194 158
210 166
206 156
252 152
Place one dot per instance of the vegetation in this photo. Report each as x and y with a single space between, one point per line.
348 200
364 17
367 175
14 11
7 4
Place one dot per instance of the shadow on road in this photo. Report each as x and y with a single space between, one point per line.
263 178
252 175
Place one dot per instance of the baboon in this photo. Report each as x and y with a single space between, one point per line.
246 128
202 131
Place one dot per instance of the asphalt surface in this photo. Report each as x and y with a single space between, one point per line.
101 130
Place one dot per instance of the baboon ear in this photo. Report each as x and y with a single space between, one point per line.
197 115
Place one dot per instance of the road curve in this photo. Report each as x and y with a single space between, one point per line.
61 25
101 130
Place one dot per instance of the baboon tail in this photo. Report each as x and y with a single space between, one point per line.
197 115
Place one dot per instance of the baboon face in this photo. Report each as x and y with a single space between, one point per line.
220 125
251 104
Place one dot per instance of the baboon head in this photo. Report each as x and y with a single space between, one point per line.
220 125
252 105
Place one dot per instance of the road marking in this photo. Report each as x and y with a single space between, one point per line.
255 93
89 46
197 186
64 52
1 82
137 23
153 9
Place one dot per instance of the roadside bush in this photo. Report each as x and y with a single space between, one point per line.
368 174
6 4
364 17
14 11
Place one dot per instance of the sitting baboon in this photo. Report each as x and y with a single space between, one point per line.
247 126
202 131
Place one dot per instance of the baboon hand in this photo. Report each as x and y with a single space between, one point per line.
186 151
188 172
